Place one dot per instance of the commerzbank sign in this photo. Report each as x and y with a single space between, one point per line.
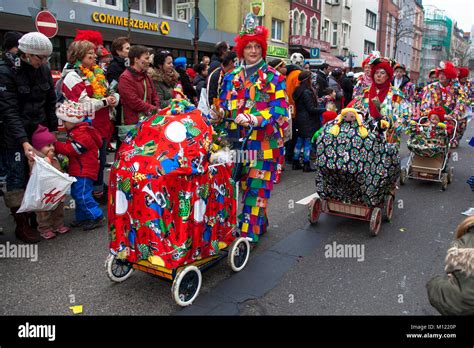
132 23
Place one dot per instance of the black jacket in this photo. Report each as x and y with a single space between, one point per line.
116 68
27 99
308 114
348 88
188 88
214 88
322 79
215 63
199 83
405 80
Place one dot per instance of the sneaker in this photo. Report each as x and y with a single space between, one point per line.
48 234
93 224
63 229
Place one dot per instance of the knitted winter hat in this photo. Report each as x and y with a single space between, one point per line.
180 62
10 39
366 61
71 112
448 68
438 111
304 75
35 43
382 64
42 137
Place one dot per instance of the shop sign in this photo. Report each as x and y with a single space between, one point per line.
133 23
257 8
277 51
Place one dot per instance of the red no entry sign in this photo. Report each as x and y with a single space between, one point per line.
46 24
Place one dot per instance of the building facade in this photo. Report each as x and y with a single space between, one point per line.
364 30
389 13
459 47
336 17
159 24
436 44
275 17
417 42
404 32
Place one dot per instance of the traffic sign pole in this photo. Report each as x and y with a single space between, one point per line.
196 31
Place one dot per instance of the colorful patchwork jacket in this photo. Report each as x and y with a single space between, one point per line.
453 97
263 95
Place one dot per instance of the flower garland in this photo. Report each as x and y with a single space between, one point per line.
96 78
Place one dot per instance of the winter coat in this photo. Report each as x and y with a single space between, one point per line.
292 73
214 86
132 90
322 83
188 88
199 83
27 99
215 63
453 294
332 83
82 149
77 88
116 68
308 114
348 88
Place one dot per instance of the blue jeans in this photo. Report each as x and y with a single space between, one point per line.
86 206
302 144
99 183
16 168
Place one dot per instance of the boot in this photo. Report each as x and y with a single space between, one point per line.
307 167
23 230
296 165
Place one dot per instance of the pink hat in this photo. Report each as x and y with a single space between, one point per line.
42 137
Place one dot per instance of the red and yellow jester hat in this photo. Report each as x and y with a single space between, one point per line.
250 32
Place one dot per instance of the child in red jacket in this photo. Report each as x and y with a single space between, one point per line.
82 148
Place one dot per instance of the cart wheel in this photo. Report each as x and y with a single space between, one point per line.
186 285
118 270
239 252
403 176
450 175
315 208
388 209
375 221
444 181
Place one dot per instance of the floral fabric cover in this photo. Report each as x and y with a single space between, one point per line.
427 141
166 205
355 170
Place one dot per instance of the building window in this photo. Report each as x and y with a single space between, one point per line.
167 8
314 28
115 4
303 24
277 29
368 47
183 14
348 3
370 19
151 7
345 34
325 31
296 23
334 34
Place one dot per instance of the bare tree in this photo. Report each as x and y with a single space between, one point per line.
403 28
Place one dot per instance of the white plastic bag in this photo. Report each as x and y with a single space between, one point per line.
46 188
204 102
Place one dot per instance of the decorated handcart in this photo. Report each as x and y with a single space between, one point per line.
171 213
429 147
356 172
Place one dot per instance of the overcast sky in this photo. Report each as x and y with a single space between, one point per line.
462 11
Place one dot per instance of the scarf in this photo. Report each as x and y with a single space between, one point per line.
366 80
170 79
377 92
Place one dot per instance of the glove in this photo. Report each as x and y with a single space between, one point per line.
246 120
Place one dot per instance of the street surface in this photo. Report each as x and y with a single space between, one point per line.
287 273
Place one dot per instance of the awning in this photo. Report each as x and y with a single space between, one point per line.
331 60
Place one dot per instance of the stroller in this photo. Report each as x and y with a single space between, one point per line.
356 174
171 213
429 153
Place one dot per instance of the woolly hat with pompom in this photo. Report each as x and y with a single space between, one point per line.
438 111
448 68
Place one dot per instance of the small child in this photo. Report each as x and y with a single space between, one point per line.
436 121
82 148
49 222
328 100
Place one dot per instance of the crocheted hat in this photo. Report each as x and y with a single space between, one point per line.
438 111
378 62
448 68
35 43
251 32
